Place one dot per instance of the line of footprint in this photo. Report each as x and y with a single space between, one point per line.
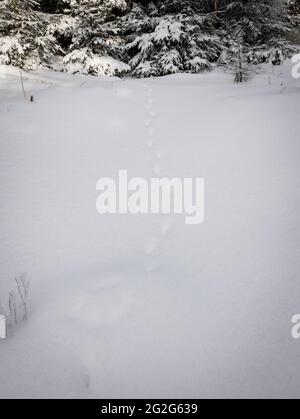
151 142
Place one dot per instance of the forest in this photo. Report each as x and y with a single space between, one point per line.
147 38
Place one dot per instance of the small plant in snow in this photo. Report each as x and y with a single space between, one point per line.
23 287
238 60
241 67
17 304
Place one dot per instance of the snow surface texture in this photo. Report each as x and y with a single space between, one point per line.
146 306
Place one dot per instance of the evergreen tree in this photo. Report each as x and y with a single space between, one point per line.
24 39
174 43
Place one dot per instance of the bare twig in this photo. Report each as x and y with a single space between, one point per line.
23 288
22 84
13 307
1 308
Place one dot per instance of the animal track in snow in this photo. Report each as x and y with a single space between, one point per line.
159 154
150 247
164 226
151 132
152 266
156 170
149 143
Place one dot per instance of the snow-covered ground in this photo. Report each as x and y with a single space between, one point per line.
146 306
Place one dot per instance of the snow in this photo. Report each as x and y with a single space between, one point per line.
145 305
85 62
